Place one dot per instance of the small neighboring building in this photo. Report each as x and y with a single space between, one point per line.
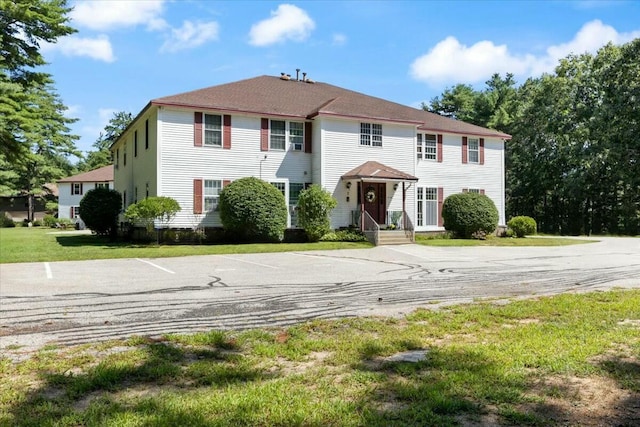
72 189
16 207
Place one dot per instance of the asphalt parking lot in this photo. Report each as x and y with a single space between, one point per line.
84 301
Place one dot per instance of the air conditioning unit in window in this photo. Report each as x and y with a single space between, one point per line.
296 146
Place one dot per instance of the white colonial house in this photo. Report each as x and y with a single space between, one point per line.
72 189
385 163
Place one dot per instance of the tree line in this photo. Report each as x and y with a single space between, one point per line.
573 160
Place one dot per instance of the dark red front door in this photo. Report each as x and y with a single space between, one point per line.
375 199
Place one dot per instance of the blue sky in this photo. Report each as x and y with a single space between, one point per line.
126 53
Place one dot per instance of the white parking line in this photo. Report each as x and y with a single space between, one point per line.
331 258
248 262
156 266
47 269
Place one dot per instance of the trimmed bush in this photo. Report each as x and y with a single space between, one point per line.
49 221
99 209
344 236
314 206
467 213
522 226
5 221
253 210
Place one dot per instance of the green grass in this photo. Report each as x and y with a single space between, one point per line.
484 362
440 240
22 244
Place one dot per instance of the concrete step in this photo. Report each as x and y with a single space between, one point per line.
386 237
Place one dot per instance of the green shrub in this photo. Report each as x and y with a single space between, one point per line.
49 221
522 225
467 213
344 236
253 210
314 206
99 209
5 221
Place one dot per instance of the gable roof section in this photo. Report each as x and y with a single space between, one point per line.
102 174
371 171
272 96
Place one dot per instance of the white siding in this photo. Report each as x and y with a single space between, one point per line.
454 176
341 152
66 200
182 162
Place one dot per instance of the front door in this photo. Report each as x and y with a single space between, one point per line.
375 199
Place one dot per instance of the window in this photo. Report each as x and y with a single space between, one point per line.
427 206
427 146
371 134
75 212
102 185
76 188
135 195
146 134
473 150
213 130
135 144
117 156
281 186
296 135
124 199
147 190
277 136
212 188
294 195
124 156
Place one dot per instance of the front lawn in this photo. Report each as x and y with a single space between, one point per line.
572 359
438 240
23 244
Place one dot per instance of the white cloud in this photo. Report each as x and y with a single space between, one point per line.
98 48
339 39
190 35
288 22
451 61
105 15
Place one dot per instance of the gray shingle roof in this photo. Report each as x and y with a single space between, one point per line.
272 96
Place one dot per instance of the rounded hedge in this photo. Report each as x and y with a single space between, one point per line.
99 209
253 210
467 213
522 225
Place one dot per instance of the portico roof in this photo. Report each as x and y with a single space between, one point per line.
375 171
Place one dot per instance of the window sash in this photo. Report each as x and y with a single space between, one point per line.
371 134
277 135
212 130
473 149
296 135
77 188
211 194
427 201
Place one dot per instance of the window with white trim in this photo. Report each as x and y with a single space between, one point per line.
371 134
427 200
76 212
281 186
427 146
294 195
212 130
472 190
102 185
211 194
76 188
277 135
296 135
473 150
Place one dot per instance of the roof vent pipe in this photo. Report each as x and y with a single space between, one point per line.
297 74
304 77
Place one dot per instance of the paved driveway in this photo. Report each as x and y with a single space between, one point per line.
82 301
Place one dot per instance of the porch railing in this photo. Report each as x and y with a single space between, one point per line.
371 228
408 228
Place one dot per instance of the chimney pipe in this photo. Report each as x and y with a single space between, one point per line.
297 74
304 77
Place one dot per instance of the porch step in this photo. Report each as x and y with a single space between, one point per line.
388 237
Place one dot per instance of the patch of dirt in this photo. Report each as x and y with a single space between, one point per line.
288 367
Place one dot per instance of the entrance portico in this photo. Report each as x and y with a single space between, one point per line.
372 179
